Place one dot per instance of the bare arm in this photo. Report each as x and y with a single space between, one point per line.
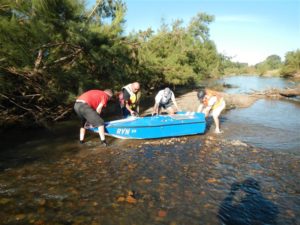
155 109
128 107
200 108
99 108
156 104
174 101
206 110
211 102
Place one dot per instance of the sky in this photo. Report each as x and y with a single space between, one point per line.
247 30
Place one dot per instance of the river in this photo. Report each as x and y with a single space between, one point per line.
248 175
269 124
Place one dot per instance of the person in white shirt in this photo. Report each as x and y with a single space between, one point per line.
165 99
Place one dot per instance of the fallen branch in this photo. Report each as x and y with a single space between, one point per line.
13 71
278 93
63 114
16 104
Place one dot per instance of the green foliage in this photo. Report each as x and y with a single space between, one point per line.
198 26
177 55
233 68
291 65
272 62
50 51
262 68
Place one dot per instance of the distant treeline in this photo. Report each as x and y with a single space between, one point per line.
53 50
272 65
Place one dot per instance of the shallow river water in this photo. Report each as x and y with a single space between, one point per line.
244 176
269 124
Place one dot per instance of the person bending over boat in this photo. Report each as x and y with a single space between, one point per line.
165 99
88 107
211 103
129 99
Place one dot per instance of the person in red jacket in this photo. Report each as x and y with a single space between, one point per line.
88 107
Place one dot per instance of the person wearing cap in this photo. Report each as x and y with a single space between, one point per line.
165 99
211 103
88 107
129 99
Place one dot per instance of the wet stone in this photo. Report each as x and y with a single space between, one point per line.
176 181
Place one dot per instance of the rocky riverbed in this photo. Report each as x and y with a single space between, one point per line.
169 181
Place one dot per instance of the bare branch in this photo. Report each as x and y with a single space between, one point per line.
63 114
14 71
38 60
63 58
4 96
94 9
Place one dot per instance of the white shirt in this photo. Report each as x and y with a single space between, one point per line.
212 101
160 98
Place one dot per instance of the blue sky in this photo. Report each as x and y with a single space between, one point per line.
247 30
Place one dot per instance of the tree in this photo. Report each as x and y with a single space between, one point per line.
198 26
50 51
178 55
273 62
291 65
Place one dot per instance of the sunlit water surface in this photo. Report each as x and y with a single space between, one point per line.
248 84
269 124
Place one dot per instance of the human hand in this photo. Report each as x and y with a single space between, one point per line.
133 113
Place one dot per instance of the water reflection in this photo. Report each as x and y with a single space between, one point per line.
245 205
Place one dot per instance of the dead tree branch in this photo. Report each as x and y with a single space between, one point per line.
13 102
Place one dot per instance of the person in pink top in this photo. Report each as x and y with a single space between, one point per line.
88 107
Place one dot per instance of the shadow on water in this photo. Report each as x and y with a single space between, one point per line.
245 205
26 146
